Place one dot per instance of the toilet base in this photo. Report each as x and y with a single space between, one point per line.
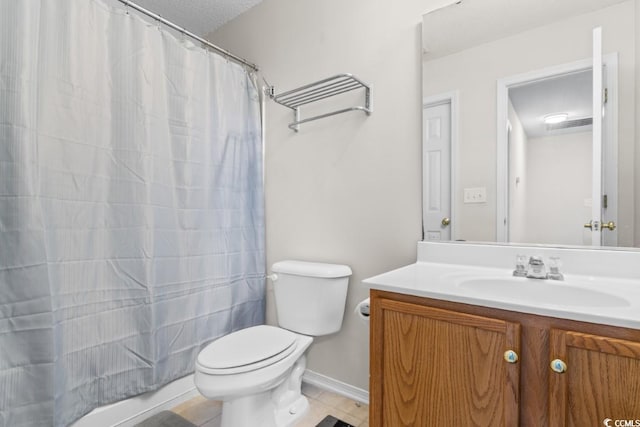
292 413
258 410
247 410
282 406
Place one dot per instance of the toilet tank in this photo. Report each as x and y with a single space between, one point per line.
310 297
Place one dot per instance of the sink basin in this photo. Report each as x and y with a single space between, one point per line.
540 292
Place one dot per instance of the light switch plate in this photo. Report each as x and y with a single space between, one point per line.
475 195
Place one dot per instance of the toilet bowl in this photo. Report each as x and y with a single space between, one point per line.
261 392
257 371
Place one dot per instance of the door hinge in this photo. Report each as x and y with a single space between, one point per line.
605 201
605 95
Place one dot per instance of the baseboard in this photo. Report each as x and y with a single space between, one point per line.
129 412
327 383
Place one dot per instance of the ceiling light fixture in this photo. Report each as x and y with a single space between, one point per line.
551 119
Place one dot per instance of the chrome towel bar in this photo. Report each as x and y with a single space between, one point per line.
323 89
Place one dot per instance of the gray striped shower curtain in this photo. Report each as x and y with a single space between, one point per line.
131 207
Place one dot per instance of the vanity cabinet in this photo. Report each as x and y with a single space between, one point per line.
443 365
602 379
438 363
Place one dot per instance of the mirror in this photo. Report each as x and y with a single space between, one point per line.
493 169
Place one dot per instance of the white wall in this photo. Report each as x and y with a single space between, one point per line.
474 72
636 156
559 182
345 189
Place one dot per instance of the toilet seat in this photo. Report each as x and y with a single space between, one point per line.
246 350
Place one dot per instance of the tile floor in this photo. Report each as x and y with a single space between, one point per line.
206 413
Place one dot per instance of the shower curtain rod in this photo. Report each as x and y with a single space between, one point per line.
170 24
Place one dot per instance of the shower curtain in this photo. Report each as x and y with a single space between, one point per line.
131 207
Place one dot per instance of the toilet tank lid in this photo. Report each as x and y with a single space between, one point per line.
311 269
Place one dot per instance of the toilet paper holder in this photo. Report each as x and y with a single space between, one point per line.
363 309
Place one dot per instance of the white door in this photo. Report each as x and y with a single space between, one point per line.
603 222
596 180
436 161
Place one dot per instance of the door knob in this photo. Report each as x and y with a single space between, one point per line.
445 221
610 225
558 366
511 356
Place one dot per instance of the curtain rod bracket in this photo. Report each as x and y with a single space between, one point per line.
270 91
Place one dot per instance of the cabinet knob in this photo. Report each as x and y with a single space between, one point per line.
558 366
511 356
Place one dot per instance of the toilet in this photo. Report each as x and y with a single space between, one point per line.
257 371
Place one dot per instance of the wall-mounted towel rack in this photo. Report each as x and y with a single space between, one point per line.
322 89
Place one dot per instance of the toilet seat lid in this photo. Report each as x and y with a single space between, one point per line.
247 347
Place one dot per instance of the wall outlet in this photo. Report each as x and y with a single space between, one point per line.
475 195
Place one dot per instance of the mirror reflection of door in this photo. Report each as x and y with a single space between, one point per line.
436 159
604 188
550 161
597 104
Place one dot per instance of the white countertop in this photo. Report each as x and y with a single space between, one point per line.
597 299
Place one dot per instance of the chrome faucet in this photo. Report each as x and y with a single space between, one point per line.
536 269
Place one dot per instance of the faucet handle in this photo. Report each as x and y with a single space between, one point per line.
521 266
554 268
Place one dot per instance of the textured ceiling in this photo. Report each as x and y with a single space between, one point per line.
570 93
198 16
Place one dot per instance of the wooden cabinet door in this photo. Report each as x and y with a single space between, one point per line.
601 381
433 367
